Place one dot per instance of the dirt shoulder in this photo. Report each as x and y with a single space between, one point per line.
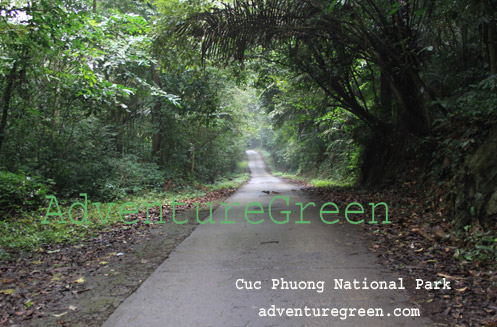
419 244
82 284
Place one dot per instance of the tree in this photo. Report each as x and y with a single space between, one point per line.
331 44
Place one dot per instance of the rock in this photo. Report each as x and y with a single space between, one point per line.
476 184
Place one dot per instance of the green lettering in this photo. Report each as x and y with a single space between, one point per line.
373 221
174 204
121 212
205 221
155 204
85 210
347 211
106 219
226 212
334 212
247 212
283 212
302 208
59 213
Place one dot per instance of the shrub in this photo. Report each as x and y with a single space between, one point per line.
19 191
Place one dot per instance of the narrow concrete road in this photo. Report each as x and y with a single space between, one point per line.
196 285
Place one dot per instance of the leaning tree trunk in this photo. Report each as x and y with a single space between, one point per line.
413 116
474 197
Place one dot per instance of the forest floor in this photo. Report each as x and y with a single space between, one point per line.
235 274
419 243
82 284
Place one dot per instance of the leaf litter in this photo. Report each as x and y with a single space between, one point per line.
82 284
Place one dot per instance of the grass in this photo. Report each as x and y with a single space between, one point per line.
316 182
242 166
329 183
268 159
192 191
26 232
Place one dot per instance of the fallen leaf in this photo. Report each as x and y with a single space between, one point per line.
60 315
8 291
449 277
80 280
56 277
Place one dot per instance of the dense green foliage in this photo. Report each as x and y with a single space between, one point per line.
376 84
22 233
19 190
120 97
308 135
89 104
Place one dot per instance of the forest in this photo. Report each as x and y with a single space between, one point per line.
128 100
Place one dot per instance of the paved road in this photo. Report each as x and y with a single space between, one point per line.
196 285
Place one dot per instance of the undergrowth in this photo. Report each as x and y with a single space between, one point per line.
24 231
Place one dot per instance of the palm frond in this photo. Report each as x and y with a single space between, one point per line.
229 31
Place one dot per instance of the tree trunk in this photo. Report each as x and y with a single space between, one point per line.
7 96
120 132
466 60
157 137
492 46
385 95
94 6
413 114
192 168
157 122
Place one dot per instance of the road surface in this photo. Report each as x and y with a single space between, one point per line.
197 285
